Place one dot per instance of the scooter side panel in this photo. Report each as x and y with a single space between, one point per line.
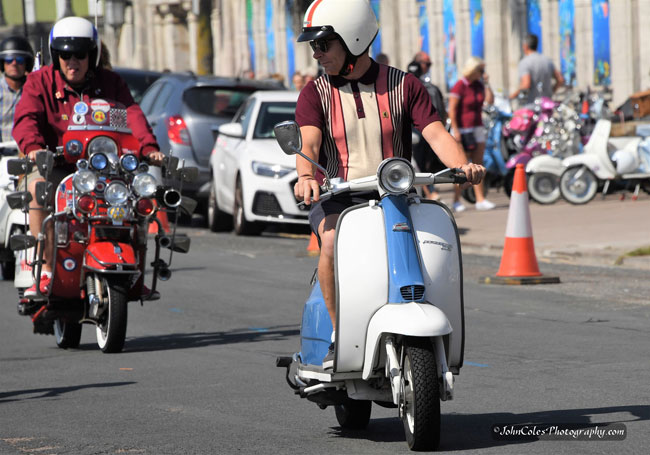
316 329
439 245
362 280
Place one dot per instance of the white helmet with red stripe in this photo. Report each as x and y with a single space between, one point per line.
352 20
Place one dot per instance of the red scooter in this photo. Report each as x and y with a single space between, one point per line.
99 217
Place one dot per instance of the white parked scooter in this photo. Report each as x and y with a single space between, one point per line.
399 287
603 161
12 221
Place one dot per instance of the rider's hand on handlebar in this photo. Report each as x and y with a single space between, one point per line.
473 172
156 158
32 155
307 189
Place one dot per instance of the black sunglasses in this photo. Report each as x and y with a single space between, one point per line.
321 45
79 55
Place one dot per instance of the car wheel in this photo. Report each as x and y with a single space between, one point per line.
218 220
241 224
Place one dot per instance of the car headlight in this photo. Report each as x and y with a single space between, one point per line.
116 193
84 180
104 145
144 185
129 162
270 170
395 175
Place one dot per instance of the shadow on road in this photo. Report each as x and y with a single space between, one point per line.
202 339
55 391
474 431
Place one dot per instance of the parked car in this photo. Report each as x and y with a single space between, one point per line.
252 179
185 112
138 80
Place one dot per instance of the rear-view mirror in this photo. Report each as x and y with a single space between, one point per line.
21 242
287 134
232 130
19 166
44 161
19 200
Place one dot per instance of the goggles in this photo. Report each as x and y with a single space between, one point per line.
18 58
79 55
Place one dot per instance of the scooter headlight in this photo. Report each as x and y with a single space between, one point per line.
144 185
99 161
106 146
116 193
129 162
395 175
84 181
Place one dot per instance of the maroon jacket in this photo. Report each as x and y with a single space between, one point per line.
44 111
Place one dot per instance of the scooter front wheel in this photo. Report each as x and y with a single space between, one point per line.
353 414
421 398
578 185
111 328
544 187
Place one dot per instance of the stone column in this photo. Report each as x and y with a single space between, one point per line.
463 34
495 26
623 36
584 33
192 31
437 44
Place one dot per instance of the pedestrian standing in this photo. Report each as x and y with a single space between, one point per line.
537 73
466 113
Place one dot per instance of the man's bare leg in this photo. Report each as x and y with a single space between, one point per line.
327 232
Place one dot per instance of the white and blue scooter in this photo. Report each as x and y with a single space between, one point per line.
399 287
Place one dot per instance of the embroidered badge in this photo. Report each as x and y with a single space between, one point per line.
64 117
58 95
79 119
100 105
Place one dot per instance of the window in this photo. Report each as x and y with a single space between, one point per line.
270 115
215 101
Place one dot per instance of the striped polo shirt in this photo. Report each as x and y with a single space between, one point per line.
364 121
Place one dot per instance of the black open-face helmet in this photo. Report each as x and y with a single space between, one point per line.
19 47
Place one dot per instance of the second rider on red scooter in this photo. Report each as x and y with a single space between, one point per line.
53 96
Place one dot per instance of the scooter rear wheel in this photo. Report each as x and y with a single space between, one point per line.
67 333
353 414
421 398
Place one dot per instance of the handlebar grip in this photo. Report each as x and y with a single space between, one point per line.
459 176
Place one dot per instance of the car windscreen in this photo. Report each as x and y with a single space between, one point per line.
138 83
216 101
272 113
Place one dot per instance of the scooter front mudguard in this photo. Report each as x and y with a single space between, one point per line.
421 320
118 256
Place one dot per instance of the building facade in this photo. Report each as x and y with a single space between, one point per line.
594 43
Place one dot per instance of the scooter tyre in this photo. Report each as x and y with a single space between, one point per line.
539 184
581 192
353 414
421 395
67 333
111 331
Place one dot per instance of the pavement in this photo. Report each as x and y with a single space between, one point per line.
598 233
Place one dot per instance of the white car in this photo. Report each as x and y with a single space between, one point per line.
252 179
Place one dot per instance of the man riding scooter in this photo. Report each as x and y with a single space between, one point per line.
52 96
349 125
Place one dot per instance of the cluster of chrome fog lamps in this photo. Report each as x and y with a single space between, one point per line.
116 192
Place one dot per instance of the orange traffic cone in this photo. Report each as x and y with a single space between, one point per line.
518 262
313 249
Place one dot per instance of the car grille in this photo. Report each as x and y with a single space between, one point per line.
412 292
266 204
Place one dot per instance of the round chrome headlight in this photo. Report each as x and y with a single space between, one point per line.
84 180
395 175
99 161
116 193
129 162
144 185
74 148
104 145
